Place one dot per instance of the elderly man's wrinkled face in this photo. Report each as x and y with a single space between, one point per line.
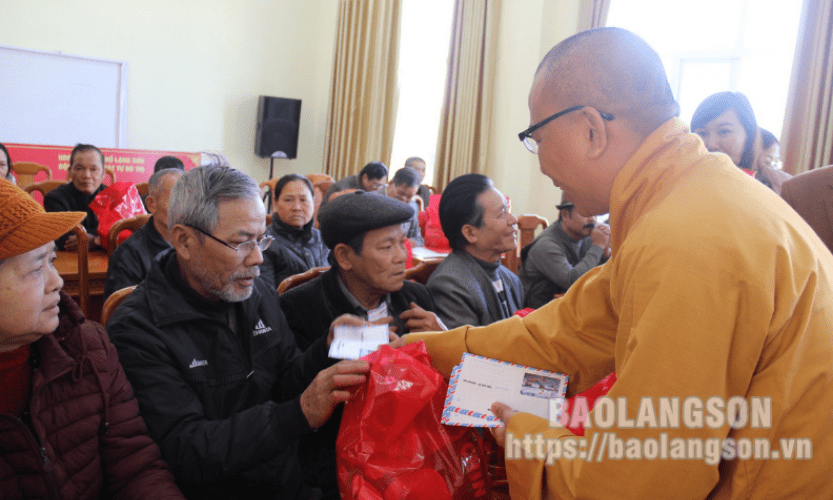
219 272
86 171
371 185
29 296
725 134
381 264
498 232
159 202
402 192
419 166
576 225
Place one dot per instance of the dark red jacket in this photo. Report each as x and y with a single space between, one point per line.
89 440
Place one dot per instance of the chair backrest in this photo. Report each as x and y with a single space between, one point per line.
130 224
268 220
339 193
43 187
420 203
26 172
313 178
142 188
422 271
297 279
83 269
319 189
113 302
528 224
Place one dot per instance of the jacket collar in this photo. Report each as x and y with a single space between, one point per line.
58 354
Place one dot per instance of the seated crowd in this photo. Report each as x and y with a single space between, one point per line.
208 384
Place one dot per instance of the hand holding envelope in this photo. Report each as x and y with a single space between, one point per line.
478 382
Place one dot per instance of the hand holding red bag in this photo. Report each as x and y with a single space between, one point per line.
119 201
391 444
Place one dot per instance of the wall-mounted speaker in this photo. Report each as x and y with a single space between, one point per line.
278 120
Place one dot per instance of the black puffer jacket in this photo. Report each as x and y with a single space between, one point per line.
293 252
223 404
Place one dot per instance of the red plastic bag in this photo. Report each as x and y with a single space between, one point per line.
119 201
391 445
433 234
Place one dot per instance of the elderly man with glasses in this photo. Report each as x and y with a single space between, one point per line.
717 300
220 381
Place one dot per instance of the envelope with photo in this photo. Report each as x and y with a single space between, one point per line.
477 382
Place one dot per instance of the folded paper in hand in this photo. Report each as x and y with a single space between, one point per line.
353 342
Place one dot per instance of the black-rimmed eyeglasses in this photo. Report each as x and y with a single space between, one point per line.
532 145
247 246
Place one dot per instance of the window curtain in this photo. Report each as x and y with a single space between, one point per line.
593 14
807 140
469 87
363 98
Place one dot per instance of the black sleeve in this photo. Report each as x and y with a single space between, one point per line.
306 315
52 202
122 270
197 448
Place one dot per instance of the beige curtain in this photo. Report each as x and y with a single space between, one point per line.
593 14
363 98
466 113
807 139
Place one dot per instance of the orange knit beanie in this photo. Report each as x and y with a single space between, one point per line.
24 225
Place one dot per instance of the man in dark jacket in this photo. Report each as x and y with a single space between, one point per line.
69 423
130 262
222 386
366 235
561 254
86 173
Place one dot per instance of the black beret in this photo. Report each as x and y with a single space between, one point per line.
349 215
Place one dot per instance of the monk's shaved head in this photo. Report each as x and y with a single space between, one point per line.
612 70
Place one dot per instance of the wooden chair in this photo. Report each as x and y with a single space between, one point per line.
297 279
131 224
528 224
315 178
268 220
113 302
339 193
142 188
83 269
420 203
319 189
26 172
422 271
43 187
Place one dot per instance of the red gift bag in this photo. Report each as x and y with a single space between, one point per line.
119 201
391 445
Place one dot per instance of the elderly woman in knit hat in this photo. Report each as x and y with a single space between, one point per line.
69 423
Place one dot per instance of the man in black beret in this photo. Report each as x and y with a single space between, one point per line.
366 235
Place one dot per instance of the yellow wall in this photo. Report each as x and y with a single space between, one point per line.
528 30
197 67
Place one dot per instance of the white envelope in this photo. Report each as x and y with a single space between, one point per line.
480 381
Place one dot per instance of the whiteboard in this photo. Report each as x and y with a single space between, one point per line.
57 99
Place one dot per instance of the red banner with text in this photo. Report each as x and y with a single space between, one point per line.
129 165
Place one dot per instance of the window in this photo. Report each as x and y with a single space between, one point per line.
423 63
711 46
